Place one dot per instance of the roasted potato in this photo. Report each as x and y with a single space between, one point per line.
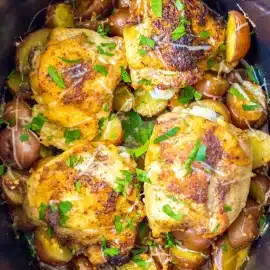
238 38
191 240
31 42
82 263
214 105
259 188
19 85
60 15
186 259
122 3
20 220
225 257
247 105
123 98
112 130
174 102
92 24
93 8
14 186
146 105
17 112
259 140
19 148
49 249
244 230
212 86
118 20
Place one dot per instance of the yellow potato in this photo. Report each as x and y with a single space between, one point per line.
238 37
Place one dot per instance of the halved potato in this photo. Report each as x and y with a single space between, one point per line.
214 105
82 263
112 130
146 105
238 38
49 249
19 85
60 15
174 102
20 220
13 186
123 98
186 259
31 42
227 258
259 188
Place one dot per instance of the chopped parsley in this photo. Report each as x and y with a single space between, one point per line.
110 45
64 207
178 32
235 92
101 123
179 5
42 209
211 63
216 229
53 208
123 183
12 122
144 81
125 75
142 52
188 94
145 41
137 152
2 121
73 161
70 61
101 69
50 232
143 230
102 51
36 123
205 34
224 247
78 186
142 176
140 262
72 135
157 7
167 135
108 251
56 77
251 106
170 240
105 108
169 212
227 208
118 224
24 137
263 223
2 169
251 73
103 30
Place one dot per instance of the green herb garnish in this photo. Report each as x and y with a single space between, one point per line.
205 34
179 5
178 32
137 152
188 94
123 183
211 63
108 251
169 212
103 31
102 51
140 262
250 70
157 7
216 229
78 185
147 42
50 232
235 92
72 135
170 240
167 135
2 169
101 69
42 209
125 75
118 224
73 161
110 45
224 247
36 123
227 208
142 52
70 61
64 207
251 106
56 77
24 137
144 81
142 176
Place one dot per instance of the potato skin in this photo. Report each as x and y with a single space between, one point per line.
118 20
238 37
82 263
123 98
259 187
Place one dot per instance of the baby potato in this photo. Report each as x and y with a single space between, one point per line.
60 15
123 98
49 249
113 130
191 240
17 112
225 257
244 230
20 220
13 186
186 259
247 105
212 86
82 263
238 38
214 105
259 188
34 40
118 21
19 85
122 3
146 105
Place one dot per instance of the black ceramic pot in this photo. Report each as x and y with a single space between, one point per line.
16 19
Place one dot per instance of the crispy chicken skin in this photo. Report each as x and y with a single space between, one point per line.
80 104
171 63
94 205
223 179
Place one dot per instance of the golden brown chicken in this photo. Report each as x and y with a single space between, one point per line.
87 196
170 50
200 171
75 77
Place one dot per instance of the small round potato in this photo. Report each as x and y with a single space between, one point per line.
17 111
238 38
214 105
82 263
191 240
118 21
259 188
123 98
212 86
247 106
49 249
20 220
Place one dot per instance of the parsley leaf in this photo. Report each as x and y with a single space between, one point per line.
137 152
216 229
210 63
227 208
125 75
251 73
50 232
205 34
42 209
235 92
201 154
142 52
64 207
101 69
147 42
24 137
140 262
169 212
167 135
263 223
118 224
36 123
123 183
157 7
179 5
188 94
103 30
108 251
142 176
2 169
69 61
53 208
144 81
101 123
251 106
102 51
224 247
78 186
73 161
170 240
72 135
56 77
109 45
178 32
